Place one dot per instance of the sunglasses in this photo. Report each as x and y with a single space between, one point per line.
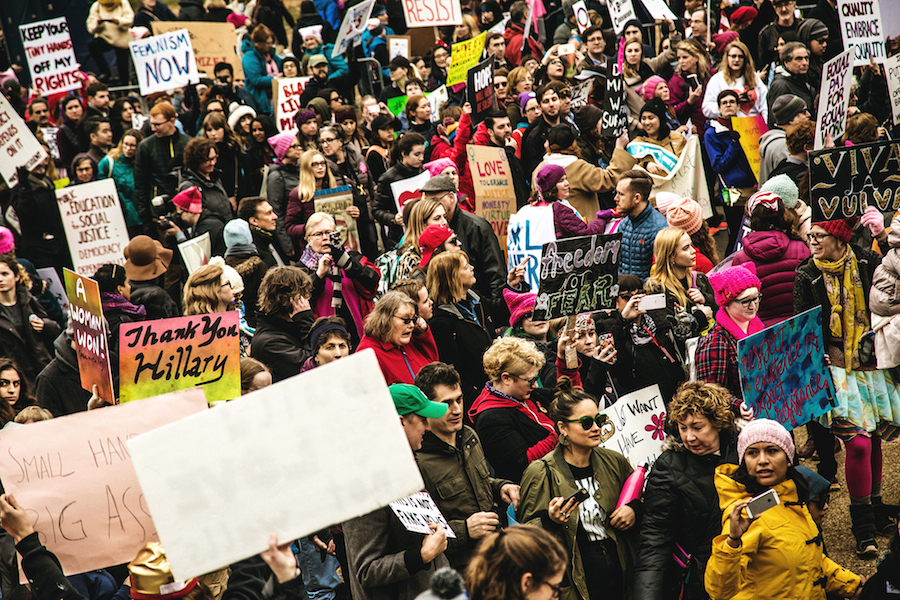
588 422
409 321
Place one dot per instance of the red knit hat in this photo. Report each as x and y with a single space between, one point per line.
431 239
189 200
841 229
731 283
520 305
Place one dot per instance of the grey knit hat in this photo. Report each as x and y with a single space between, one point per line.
787 107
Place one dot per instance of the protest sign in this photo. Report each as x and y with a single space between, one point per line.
635 426
844 181
783 372
166 355
662 157
55 287
425 13
212 43
495 193
164 62
529 229
94 223
750 129
688 179
581 93
578 275
239 449
615 109
436 99
352 27
75 478
892 72
195 252
398 45
582 18
396 105
407 189
335 202
862 30
417 511
50 139
18 146
51 57
621 11
287 101
480 90
834 98
91 343
659 10
464 56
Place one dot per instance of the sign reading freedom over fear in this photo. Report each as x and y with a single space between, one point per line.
167 355
578 275
51 57
845 181
783 371
94 223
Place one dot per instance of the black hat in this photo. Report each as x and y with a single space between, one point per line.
382 122
658 108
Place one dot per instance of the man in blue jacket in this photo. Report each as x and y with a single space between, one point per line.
641 224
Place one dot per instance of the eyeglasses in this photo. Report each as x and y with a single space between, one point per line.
555 587
317 163
227 284
321 234
822 40
595 40
409 321
816 237
160 124
588 422
326 141
532 382
746 303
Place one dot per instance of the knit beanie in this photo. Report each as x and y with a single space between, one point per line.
237 231
767 199
347 114
658 108
302 116
648 90
520 305
432 238
818 485
548 177
524 97
785 188
665 200
686 214
743 16
320 108
765 430
7 240
238 112
786 107
731 283
234 278
189 200
841 229
436 166
280 143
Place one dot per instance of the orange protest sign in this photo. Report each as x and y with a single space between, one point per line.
751 129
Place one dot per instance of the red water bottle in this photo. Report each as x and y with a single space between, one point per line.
633 487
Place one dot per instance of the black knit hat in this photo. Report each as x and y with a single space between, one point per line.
658 108
786 108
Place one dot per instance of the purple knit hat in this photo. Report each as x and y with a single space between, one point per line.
520 305
765 430
731 283
524 97
436 166
280 143
548 177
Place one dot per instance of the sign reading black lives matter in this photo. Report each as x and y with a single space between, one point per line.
578 275
844 181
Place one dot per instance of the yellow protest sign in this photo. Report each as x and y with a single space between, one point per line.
751 129
213 43
464 56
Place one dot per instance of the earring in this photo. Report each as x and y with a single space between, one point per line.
563 439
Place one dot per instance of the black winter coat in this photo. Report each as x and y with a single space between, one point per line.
158 303
279 183
29 350
282 345
252 269
155 159
384 208
59 384
43 239
884 583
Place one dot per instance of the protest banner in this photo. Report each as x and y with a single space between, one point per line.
74 477
425 13
240 448
495 193
581 92
335 202
195 252
750 129
417 511
834 98
165 61
582 18
688 179
212 43
51 57
91 344
480 90
436 99
166 355
287 101
529 229
621 11
396 105
578 275
662 157
862 30
398 45
783 372
55 286
846 180
352 27
659 10
464 56
94 223
18 146
615 108
50 139
892 72
407 189
635 426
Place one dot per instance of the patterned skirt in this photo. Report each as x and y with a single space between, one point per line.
868 403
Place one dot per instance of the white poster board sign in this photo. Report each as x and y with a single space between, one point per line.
427 13
352 27
582 19
50 55
398 45
55 286
892 72
834 97
636 426
659 10
417 511
435 100
289 90
94 224
621 11
861 28
164 62
18 146
246 451
195 252
407 189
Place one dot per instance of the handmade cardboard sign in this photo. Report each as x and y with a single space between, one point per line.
862 30
74 476
167 355
335 202
417 511
578 275
425 13
635 426
844 181
50 55
892 72
464 56
212 42
287 94
165 61
94 223
621 11
238 449
581 93
18 146
659 10
495 193
751 129
834 98
615 108
352 27
91 344
582 18
783 372
480 90
407 189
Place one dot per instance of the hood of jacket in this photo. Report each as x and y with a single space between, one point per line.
563 160
64 352
766 246
731 492
486 399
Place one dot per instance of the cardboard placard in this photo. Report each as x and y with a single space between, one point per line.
18 146
166 355
335 202
529 230
635 426
91 344
751 129
615 109
862 30
55 286
480 90
165 61
582 18
688 179
578 275
417 510
240 449
621 11
287 101
352 27
425 13
834 98
407 189
398 45
94 223
212 42
75 478
50 55
892 72
195 252
659 10
495 193
582 92
783 372
844 181
464 56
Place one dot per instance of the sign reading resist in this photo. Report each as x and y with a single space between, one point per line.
427 13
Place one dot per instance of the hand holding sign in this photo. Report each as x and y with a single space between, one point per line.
14 519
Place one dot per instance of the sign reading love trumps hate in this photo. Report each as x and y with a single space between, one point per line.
51 57
167 355
783 372
163 62
91 345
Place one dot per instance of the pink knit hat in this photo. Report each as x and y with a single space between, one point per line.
765 430
648 90
190 200
7 240
685 214
731 283
520 305
280 143
664 200
436 166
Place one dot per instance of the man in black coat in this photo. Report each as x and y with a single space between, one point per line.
58 385
500 128
261 217
156 156
790 78
536 134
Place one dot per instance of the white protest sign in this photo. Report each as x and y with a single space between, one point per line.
436 99
352 27
51 57
165 61
582 19
398 45
195 252
861 28
242 451
635 426
621 11
287 96
892 72
55 287
834 97
94 224
405 190
18 146
500 27
425 13
417 511
659 10
50 140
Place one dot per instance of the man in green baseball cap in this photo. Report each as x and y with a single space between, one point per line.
415 409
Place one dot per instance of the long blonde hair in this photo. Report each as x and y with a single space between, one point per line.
694 49
418 215
306 190
201 292
470 22
749 71
662 273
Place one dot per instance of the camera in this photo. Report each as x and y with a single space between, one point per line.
164 222
334 239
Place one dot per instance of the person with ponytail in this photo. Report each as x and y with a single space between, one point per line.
115 298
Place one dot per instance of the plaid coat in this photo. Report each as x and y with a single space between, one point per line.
717 361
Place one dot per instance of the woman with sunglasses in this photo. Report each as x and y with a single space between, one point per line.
601 539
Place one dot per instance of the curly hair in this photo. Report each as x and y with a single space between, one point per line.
201 292
197 151
379 323
701 399
799 136
33 413
279 288
512 355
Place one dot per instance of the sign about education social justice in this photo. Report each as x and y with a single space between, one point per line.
892 72
464 56
783 372
74 477
352 27
287 101
862 30
238 451
336 202
163 62
495 193
94 223
846 180
166 355
91 343
51 57
635 426
212 43
405 190
578 275
834 98
751 129
425 13
18 146
417 511
480 90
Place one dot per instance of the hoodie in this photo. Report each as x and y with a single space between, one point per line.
58 386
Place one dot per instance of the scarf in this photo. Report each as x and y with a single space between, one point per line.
848 320
311 259
723 319
118 302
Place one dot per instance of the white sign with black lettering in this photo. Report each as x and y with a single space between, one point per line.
621 11
834 98
18 146
892 72
417 511
861 28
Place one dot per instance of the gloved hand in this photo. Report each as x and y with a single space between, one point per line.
339 254
735 135
607 214
874 220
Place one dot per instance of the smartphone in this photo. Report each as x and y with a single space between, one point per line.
762 503
652 302
606 341
579 496
693 81
565 49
